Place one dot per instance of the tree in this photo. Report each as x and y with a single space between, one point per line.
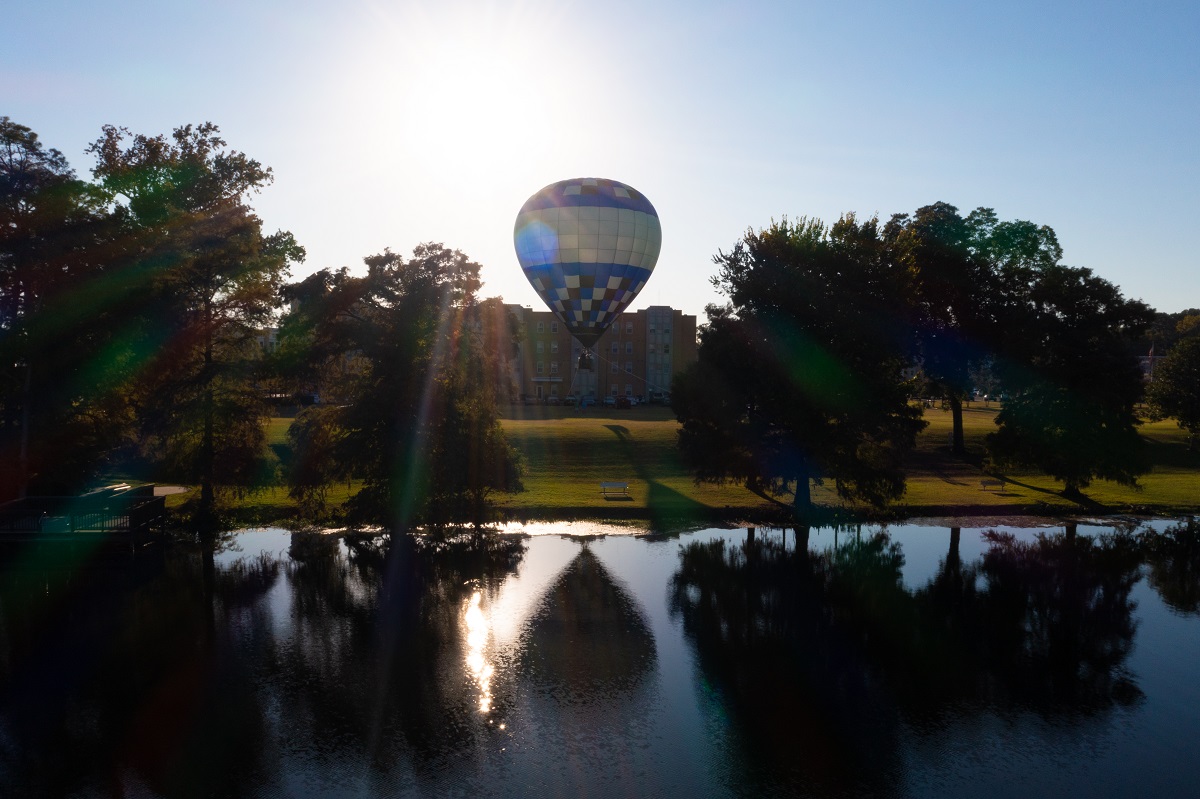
961 270
1175 388
210 279
57 418
1072 380
951 283
798 379
419 421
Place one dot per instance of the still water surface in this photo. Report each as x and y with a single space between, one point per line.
902 661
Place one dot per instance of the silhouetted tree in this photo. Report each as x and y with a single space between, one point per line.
212 278
1072 380
951 287
962 270
58 360
799 378
419 420
1175 388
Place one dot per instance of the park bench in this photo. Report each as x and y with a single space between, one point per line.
607 488
994 482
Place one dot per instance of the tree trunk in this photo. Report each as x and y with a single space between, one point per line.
802 499
952 557
958 447
802 532
208 500
23 452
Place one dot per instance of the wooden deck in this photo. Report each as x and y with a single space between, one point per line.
117 515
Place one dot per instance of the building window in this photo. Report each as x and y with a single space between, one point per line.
629 389
614 391
541 367
629 367
614 367
615 349
541 327
540 348
554 327
629 328
629 348
651 328
554 346
652 348
554 391
554 367
666 348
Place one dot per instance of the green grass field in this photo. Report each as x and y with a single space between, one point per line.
569 452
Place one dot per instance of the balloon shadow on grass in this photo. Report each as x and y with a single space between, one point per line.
667 507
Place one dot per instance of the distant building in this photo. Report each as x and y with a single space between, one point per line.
1149 363
267 339
636 357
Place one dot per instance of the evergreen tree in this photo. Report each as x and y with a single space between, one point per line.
209 281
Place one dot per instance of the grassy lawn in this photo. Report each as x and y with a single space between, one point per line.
569 452
938 479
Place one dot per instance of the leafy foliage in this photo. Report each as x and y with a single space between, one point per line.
208 278
1072 380
419 422
1175 389
798 377
58 348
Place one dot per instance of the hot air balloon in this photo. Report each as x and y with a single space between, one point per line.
587 245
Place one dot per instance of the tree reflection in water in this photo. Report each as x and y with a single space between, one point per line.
115 674
178 678
1174 560
820 655
361 665
379 652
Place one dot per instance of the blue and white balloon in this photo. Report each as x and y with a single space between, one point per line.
588 246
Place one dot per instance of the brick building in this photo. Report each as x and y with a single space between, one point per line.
636 357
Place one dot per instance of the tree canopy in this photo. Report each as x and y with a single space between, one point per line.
418 422
1174 390
208 278
56 243
1072 380
798 377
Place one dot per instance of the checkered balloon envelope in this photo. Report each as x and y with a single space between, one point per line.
587 245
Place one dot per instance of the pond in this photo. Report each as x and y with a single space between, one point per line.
585 660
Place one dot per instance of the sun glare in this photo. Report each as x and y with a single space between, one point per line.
466 93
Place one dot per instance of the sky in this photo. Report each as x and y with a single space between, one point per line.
388 124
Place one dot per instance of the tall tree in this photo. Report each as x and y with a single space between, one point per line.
1174 390
1072 380
962 268
55 237
211 278
798 379
419 419
950 283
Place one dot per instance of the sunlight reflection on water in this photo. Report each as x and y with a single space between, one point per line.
578 658
477 638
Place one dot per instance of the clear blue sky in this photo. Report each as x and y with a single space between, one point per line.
392 123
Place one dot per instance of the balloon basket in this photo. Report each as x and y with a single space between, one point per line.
586 362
